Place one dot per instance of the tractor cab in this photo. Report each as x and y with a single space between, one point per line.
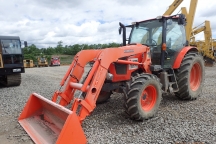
164 35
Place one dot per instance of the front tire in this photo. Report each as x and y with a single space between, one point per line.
143 97
190 77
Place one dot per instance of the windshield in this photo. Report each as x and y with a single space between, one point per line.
42 59
147 32
12 59
175 35
11 47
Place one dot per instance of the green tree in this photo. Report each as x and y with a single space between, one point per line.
49 51
59 48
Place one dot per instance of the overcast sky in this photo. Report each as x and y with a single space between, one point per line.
45 22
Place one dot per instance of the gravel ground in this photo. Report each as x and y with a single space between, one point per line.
176 121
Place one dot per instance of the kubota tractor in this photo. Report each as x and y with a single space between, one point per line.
155 59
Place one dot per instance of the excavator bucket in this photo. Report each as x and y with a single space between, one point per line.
47 122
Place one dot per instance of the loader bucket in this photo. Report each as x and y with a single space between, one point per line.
47 122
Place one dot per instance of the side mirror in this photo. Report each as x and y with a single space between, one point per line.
187 43
124 33
182 19
120 30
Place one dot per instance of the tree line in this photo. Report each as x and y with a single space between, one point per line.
32 52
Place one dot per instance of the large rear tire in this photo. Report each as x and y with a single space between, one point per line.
190 77
143 97
12 80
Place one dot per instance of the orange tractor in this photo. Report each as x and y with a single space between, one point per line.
155 59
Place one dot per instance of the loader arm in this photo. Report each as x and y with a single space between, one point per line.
74 74
97 75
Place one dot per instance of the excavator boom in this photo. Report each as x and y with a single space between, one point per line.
173 7
190 17
205 47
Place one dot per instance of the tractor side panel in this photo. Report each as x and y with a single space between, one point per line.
122 72
121 69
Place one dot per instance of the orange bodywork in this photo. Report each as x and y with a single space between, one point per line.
48 121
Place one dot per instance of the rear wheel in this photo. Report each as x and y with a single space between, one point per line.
143 97
190 77
12 80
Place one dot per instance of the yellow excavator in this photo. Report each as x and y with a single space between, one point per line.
173 7
11 60
190 18
214 47
42 62
205 47
28 63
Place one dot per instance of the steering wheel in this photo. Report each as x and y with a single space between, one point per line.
152 43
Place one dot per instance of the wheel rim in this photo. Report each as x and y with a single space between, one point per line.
195 77
148 98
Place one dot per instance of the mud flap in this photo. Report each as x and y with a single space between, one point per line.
49 123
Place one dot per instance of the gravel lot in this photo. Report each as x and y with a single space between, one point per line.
176 121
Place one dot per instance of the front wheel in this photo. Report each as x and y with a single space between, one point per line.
143 97
190 77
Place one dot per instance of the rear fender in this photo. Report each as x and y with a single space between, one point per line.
181 55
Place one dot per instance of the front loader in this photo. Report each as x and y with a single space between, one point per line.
142 69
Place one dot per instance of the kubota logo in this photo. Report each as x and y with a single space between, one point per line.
128 51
